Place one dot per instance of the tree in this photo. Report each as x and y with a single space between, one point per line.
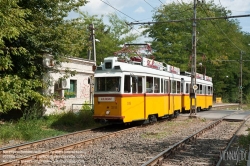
217 42
112 35
30 29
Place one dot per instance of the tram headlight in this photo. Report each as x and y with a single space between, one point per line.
107 112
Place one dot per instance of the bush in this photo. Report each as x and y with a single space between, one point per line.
31 128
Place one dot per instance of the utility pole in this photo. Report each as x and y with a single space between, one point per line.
92 38
93 41
241 79
193 86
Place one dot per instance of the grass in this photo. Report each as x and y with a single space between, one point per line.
47 126
244 142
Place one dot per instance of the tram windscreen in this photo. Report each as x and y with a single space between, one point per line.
108 84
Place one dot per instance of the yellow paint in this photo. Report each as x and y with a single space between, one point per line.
100 108
156 105
134 108
203 101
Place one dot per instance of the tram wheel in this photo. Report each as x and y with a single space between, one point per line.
152 118
176 114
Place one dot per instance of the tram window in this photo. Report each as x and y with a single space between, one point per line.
136 84
108 84
178 86
134 87
162 85
140 85
198 90
166 86
210 90
156 85
201 89
182 87
149 84
187 88
127 84
173 86
108 65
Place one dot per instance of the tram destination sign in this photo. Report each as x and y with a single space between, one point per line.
106 99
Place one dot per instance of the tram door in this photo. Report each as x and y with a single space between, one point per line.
172 96
175 96
167 95
135 107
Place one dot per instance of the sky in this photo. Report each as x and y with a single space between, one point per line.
142 10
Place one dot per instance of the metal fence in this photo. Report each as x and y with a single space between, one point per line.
90 106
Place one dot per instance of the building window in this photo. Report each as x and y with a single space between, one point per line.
71 93
57 92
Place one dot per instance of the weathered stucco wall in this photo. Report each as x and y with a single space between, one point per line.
83 70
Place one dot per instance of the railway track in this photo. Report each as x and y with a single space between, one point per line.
225 105
22 153
205 147
59 146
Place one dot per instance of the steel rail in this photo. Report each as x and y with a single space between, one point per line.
62 149
34 143
225 105
158 159
231 141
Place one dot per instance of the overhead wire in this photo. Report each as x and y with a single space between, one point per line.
161 2
118 10
215 25
109 4
115 12
149 4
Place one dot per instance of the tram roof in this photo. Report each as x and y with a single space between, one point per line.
117 67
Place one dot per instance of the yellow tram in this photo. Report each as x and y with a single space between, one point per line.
143 91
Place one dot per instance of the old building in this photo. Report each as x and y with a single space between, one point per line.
70 92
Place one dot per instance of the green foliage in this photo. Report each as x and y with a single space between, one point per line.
16 92
244 143
29 29
70 121
33 112
111 36
29 129
86 107
217 41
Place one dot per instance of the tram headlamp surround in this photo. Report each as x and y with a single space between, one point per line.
107 112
